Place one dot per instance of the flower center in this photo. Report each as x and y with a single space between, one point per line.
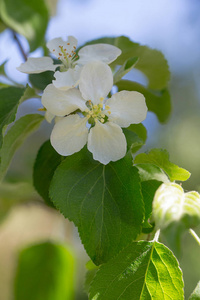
67 56
97 112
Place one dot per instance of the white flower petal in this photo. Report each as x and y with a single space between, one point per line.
69 135
57 119
67 80
49 117
96 81
55 44
127 108
62 103
37 65
102 52
107 142
72 41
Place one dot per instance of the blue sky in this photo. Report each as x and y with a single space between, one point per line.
170 26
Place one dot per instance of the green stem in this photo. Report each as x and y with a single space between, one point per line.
156 237
195 236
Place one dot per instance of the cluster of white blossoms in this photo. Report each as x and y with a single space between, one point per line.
78 98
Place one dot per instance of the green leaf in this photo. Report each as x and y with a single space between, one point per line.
88 279
41 80
125 68
148 191
136 136
151 62
143 270
139 129
172 237
133 141
45 165
4 85
45 271
196 293
158 101
171 204
160 158
151 178
9 101
13 194
104 202
151 172
2 26
15 137
28 18
29 94
91 272
2 68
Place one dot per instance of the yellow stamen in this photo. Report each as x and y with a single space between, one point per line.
107 107
109 112
101 99
96 112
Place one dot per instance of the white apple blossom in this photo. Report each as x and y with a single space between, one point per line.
100 123
70 67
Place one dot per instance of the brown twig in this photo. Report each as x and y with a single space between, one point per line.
19 46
